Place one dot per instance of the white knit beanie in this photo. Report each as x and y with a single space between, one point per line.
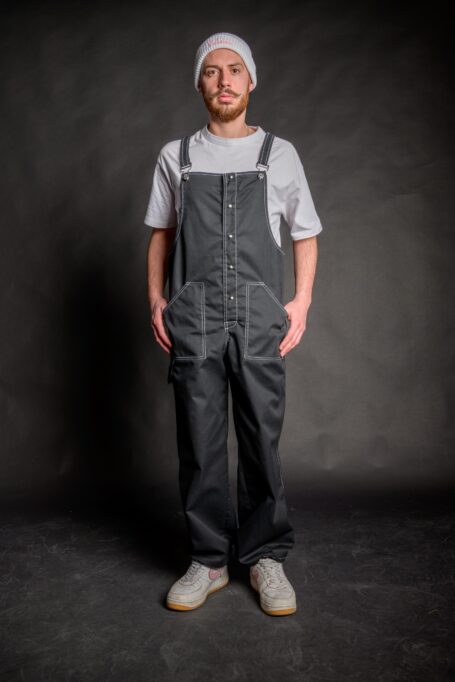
232 42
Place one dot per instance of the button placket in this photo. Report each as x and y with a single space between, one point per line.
231 303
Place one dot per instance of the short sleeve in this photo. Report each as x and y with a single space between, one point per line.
299 211
161 206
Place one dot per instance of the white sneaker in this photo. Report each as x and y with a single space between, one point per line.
192 589
277 596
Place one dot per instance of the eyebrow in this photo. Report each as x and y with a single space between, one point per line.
217 67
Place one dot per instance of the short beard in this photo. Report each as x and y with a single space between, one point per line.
225 113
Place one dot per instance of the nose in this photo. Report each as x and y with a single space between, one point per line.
224 79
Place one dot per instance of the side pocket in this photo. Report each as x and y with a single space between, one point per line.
266 322
184 319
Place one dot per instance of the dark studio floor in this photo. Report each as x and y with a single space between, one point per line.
83 592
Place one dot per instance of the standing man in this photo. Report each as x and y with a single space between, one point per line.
215 208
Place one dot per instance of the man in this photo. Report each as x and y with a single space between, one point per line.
215 208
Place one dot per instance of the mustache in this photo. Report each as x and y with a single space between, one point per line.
225 92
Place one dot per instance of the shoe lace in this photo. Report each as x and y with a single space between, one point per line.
273 572
192 572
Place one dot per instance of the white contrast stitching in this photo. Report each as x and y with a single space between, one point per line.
274 297
247 320
224 259
176 295
235 250
247 316
267 219
221 174
203 330
204 340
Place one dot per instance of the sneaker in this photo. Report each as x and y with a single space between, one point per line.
277 596
192 589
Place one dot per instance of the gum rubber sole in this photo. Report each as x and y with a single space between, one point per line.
273 612
175 606
279 612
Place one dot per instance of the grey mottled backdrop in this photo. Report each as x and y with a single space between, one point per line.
90 93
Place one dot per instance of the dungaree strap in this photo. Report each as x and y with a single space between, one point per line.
185 163
265 151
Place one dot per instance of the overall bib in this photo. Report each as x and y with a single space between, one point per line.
226 320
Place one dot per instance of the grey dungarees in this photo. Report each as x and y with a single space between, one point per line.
226 320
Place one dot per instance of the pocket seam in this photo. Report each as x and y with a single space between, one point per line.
270 292
247 320
203 332
176 296
272 236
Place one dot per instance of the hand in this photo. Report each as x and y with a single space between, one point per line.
297 314
157 325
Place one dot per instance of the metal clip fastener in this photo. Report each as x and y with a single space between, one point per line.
185 171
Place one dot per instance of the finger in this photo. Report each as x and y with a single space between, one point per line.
291 340
286 344
162 341
158 340
160 332
292 329
158 321
293 343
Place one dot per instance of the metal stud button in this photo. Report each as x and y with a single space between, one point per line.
260 176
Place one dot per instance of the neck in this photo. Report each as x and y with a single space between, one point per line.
230 129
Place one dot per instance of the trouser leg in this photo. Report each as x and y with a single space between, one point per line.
258 401
201 404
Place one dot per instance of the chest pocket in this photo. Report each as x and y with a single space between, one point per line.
266 322
184 319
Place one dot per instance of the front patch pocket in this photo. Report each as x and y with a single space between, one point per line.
184 319
266 322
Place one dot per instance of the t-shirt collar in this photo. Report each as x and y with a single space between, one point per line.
232 141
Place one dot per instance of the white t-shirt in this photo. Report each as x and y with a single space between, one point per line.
287 187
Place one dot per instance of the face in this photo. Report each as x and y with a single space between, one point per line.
225 84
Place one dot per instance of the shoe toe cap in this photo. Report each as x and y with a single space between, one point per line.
283 593
180 589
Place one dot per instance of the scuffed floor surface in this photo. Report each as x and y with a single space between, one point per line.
83 597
